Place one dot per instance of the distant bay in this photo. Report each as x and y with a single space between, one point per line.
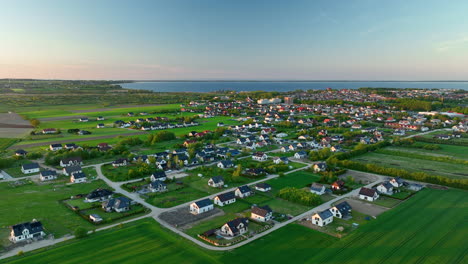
282 86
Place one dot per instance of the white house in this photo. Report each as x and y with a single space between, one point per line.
243 191
320 166
120 162
78 177
259 156
300 155
217 181
341 210
98 195
263 187
396 182
279 160
225 164
261 214
317 188
30 168
201 206
368 194
385 188
95 218
48 175
323 218
24 231
55 147
120 204
157 186
158 176
71 169
71 162
225 198
235 227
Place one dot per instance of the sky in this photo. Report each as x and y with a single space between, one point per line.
238 39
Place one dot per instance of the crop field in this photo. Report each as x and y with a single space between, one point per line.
13 125
6 142
456 152
456 171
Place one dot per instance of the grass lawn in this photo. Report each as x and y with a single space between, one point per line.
451 170
298 179
6 142
176 197
216 222
109 216
286 207
457 152
386 201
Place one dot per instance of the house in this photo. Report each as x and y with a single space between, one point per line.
48 175
71 146
49 131
336 148
24 231
95 218
368 194
261 214
255 171
100 118
338 185
259 156
235 227
71 169
157 186
78 177
84 119
158 176
280 160
71 162
55 147
320 166
317 188
396 182
385 188
84 132
98 195
300 155
415 187
341 210
323 218
263 187
225 198
120 162
217 181
243 191
225 164
21 153
30 168
119 204
100 125
201 206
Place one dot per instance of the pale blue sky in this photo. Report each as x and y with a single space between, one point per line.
203 39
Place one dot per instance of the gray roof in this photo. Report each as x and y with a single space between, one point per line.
226 196
217 179
48 173
203 203
33 227
325 214
343 207
316 187
244 189
30 166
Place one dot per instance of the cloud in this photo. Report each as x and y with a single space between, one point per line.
453 44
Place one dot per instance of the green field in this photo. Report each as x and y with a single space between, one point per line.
6 142
431 227
457 152
456 171
298 179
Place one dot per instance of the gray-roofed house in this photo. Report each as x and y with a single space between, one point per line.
24 231
261 213
71 169
320 166
396 182
300 155
263 187
158 176
235 227
385 188
243 191
225 164
119 204
30 168
317 188
323 218
225 198
78 177
157 186
74 161
217 181
98 195
48 175
341 210
201 206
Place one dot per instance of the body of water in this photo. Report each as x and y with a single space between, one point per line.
201 86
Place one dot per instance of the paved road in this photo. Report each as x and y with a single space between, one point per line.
428 132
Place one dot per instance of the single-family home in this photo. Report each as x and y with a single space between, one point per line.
95 218
119 204
225 164
25 231
263 187
71 169
280 160
30 168
415 187
385 188
300 155
21 153
74 161
368 194
100 118
55 147
158 176
225 198
157 186
48 175
120 162
201 206
396 182
243 191
100 125
261 213
259 156
320 166
323 218
235 227
78 177
317 188
338 185
49 131
216 181
98 195
341 210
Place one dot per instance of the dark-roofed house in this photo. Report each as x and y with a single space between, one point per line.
338 185
259 156
396 182
263 187
48 175
30 168
225 164
21 153
74 161
385 188
55 147
300 155
320 166
279 160
78 177
323 218
217 181
157 186
235 227
225 198
201 206
24 231
341 210
317 188
120 162
98 195
368 194
71 169
262 214
158 176
120 204
243 191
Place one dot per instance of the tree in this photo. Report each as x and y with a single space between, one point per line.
81 232
34 122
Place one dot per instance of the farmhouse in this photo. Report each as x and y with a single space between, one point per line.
120 162
24 231
98 195
201 206
263 187
225 164
78 177
48 175
55 147
368 194
217 181
120 204
71 162
243 191
338 185
21 153
341 210
317 188
385 188
262 214
323 218
71 169
30 168
225 198
259 156
158 176
235 227
157 186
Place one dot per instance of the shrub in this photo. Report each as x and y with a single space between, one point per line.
81 232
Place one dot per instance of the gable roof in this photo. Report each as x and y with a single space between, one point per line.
343 207
261 211
263 185
204 203
30 166
233 224
325 214
317 187
367 192
159 174
226 196
244 189
72 169
98 193
48 173
78 175
33 227
217 179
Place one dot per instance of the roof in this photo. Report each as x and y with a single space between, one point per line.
56 145
233 224
204 203
226 163
325 214
217 179
317 187
21 151
157 184
226 196
98 193
48 173
321 164
261 211
33 227
263 185
72 169
120 202
67 160
367 192
30 166
159 174
387 185
244 189
79 175
343 207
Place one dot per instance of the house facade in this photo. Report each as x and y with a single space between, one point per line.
225 198
261 214
30 168
368 194
201 206
25 231
323 218
235 227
